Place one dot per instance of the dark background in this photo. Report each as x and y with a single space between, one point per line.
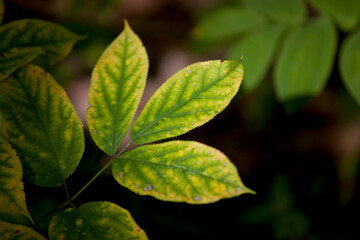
303 165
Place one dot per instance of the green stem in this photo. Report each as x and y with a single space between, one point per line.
70 200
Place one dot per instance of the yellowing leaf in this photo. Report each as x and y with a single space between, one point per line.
23 40
306 60
15 57
181 171
95 220
349 62
117 84
12 196
18 232
190 98
42 126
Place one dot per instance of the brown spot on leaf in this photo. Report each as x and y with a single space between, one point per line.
16 232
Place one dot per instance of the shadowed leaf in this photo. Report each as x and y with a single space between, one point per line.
117 84
18 232
42 126
95 220
22 40
226 23
285 11
188 99
12 196
306 60
345 12
257 49
180 171
349 63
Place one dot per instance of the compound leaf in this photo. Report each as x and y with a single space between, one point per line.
188 99
26 36
117 84
306 60
285 11
95 220
18 232
346 12
349 62
181 171
226 22
12 196
42 125
257 49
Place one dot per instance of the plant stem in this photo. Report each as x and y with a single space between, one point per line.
70 200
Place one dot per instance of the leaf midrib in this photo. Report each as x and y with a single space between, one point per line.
42 125
181 104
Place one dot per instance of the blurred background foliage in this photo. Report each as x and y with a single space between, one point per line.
293 131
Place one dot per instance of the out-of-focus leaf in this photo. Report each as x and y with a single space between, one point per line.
306 60
226 22
188 99
257 49
42 126
95 220
285 11
181 171
15 57
2 10
349 62
55 40
12 196
345 12
18 232
117 84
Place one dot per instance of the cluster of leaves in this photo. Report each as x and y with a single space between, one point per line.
42 136
300 35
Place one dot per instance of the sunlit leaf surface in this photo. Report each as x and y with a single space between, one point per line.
95 220
181 171
42 125
117 84
188 99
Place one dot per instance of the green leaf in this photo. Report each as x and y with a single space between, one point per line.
55 40
257 49
226 22
349 62
346 12
18 232
42 126
15 57
284 11
181 171
188 99
117 84
2 10
306 60
95 220
12 196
